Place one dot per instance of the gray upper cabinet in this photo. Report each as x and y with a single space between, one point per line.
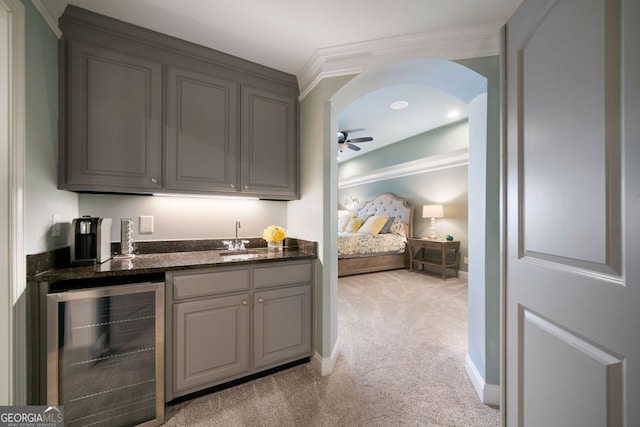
269 147
201 132
114 130
143 112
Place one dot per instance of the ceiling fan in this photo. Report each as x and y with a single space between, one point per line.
343 140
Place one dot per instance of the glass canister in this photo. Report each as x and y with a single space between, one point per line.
126 237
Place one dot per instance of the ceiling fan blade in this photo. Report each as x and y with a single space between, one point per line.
353 130
363 139
354 147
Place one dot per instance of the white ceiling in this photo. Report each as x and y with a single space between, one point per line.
285 34
428 109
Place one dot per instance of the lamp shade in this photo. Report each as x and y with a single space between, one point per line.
432 211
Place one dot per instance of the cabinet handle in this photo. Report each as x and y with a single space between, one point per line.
244 302
154 180
260 300
246 187
232 185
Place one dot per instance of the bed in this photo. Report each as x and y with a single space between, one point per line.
364 253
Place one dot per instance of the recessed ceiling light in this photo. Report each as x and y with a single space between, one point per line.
453 114
399 105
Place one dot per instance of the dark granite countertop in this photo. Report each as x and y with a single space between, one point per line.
162 262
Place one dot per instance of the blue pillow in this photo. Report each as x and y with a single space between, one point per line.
387 226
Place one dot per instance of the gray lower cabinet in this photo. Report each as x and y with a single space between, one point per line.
112 137
281 325
229 322
211 340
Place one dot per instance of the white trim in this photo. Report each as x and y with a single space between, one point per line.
17 147
325 365
489 394
51 21
16 160
428 164
460 43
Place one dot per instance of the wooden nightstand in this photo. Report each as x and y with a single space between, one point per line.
417 259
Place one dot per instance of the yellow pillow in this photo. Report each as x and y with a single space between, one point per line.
353 225
373 225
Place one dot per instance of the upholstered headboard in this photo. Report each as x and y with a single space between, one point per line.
391 205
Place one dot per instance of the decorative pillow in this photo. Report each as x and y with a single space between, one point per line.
373 225
343 220
353 225
387 226
399 228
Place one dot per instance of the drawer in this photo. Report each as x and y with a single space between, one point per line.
282 275
193 285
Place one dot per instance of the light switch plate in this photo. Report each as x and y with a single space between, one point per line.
55 225
466 260
146 224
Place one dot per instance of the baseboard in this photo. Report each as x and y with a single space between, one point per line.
325 365
463 274
489 394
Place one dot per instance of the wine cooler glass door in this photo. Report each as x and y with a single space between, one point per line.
105 356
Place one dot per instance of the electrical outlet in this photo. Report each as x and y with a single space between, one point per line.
55 225
146 224
466 260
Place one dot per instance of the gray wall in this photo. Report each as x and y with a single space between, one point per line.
448 187
42 199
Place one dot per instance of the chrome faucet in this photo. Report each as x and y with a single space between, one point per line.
236 245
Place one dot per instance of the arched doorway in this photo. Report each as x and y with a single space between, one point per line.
470 87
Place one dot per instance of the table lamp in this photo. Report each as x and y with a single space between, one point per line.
433 212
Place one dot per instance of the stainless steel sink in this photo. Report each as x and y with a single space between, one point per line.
240 254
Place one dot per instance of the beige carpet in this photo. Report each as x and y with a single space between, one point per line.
401 363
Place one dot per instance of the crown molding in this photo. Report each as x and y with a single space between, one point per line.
428 164
50 20
460 43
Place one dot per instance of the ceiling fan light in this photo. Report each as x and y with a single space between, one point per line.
399 105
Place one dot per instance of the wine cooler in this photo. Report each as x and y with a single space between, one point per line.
105 354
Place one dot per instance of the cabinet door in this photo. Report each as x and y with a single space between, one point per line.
282 325
211 341
269 150
113 116
201 132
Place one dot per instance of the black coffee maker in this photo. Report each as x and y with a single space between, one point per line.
90 240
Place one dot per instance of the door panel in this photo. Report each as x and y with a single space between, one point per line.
211 341
282 325
201 132
567 140
573 184
268 144
114 110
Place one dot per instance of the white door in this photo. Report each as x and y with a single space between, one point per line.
572 290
